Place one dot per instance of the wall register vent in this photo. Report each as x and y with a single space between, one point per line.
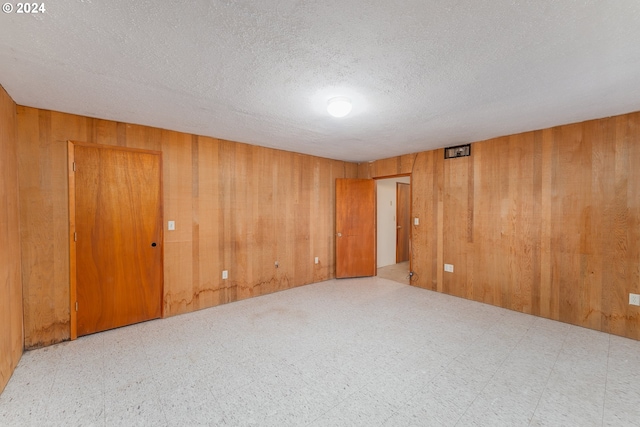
457 151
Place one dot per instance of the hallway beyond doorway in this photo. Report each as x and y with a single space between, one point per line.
397 272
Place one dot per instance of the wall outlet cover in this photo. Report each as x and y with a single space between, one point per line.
448 268
225 274
634 299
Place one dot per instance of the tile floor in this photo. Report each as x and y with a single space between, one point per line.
358 352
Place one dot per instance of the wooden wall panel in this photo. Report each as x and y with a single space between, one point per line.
177 159
11 338
619 317
210 290
237 207
490 203
630 127
544 222
42 153
392 166
349 170
427 203
455 228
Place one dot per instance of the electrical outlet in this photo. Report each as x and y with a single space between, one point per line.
416 221
225 274
448 268
316 260
634 299
171 225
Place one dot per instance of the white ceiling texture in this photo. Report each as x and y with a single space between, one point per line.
422 74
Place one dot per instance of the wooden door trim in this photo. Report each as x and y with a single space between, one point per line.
116 147
73 292
398 184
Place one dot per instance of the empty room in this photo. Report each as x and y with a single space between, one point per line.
295 213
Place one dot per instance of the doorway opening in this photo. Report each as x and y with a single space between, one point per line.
393 213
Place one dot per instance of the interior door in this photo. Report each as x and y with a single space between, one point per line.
118 226
403 219
355 227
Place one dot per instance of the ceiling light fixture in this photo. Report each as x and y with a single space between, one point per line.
339 106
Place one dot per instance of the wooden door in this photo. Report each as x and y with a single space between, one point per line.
355 227
118 226
403 221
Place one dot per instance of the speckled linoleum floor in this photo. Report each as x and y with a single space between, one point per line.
358 352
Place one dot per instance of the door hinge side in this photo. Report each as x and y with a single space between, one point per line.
75 236
74 166
76 305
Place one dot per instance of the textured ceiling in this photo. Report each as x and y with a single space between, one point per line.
421 74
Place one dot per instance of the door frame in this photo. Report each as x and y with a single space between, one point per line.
401 175
73 290
398 186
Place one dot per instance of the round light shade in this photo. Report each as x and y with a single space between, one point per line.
339 106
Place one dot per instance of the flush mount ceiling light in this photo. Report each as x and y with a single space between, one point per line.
339 106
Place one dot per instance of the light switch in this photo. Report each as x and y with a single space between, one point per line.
225 274
171 225
316 260
416 221
448 268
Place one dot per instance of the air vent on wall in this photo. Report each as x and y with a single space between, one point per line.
457 151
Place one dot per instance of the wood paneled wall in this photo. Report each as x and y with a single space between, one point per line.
237 207
392 166
544 222
11 339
